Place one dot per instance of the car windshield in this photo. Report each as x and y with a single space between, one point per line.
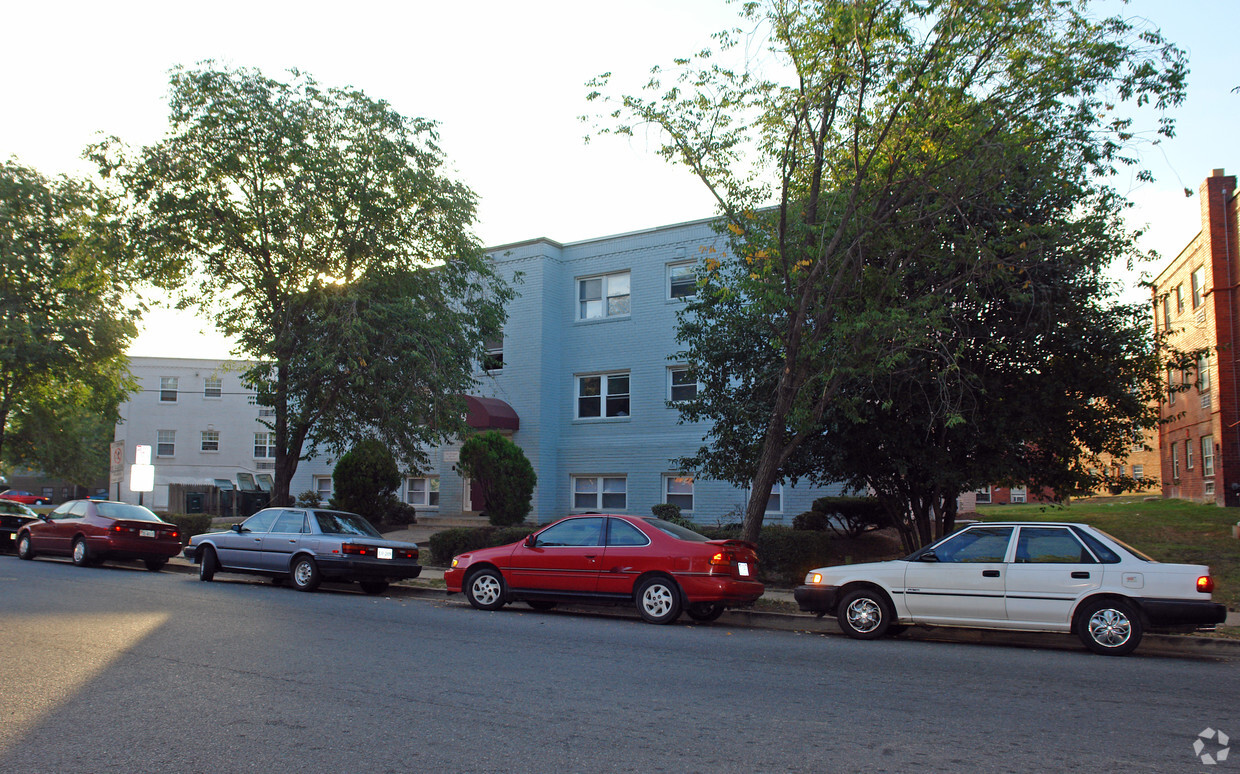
336 523
126 511
677 531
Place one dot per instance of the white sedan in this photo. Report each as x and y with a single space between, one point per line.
1026 576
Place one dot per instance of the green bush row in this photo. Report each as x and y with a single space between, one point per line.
445 544
190 524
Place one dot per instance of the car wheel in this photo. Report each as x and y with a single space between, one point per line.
24 551
658 601
865 614
208 565
540 604
485 589
305 574
373 587
705 611
155 565
1111 627
81 553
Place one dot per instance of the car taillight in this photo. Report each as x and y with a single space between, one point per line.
406 553
1205 584
123 528
356 550
722 558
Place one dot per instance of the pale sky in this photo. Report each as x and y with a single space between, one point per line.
506 81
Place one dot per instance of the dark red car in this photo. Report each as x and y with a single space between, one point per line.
25 498
92 531
661 567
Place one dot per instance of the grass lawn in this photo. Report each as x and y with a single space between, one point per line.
1167 530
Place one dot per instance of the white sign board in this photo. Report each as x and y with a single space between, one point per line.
142 455
142 478
117 473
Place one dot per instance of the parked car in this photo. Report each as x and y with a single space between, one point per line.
12 516
25 498
306 546
1025 576
613 559
91 532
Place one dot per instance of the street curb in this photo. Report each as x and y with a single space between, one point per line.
1151 644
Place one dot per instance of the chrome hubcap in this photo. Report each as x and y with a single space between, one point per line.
79 551
1110 628
864 615
657 600
486 589
302 573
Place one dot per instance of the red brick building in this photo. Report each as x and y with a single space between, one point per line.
1195 305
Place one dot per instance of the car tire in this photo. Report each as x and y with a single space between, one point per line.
865 614
1110 627
658 600
485 589
540 604
208 565
705 612
373 587
155 565
305 574
81 553
24 551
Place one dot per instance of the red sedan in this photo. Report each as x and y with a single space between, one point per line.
91 531
613 559
25 498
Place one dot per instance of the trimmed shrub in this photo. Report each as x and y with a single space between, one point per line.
445 544
190 524
816 521
308 499
504 474
852 516
366 480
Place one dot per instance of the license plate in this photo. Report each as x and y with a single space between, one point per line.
742 568
385 553
146 533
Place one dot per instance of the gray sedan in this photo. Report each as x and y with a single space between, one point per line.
306 546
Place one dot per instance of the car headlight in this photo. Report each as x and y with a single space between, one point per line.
455 560
813 579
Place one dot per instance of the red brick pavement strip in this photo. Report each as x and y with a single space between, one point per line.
1151 645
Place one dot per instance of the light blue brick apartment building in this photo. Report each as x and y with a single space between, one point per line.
581 381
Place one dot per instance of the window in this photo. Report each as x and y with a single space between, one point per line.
323 488
1207 455
681 280
606 296
600 493
493 360
422 491
678 490
983 494
1170 388
1198 279
681 386
290 521
1050 545
1203 373
572 533
987 544
1188 455
1166 313
1179 297
1175 460
621 533
1138 472
213 388
264 445
167 389
165 443
775 501
210 440
1018 494
603 395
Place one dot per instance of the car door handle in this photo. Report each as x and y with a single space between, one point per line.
1080 575
990 573
592 557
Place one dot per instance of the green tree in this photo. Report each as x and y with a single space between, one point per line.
64 324
317 226
503 473
885 117
366 480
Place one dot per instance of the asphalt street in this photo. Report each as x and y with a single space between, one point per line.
118 669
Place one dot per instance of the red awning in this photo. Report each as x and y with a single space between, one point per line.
491 414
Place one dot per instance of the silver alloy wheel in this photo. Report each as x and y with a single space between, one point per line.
486 588
657 600
1109 627
79 552
303 572
23 547
864 615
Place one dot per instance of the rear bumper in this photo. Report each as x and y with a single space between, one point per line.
730 591
1182 612
135 548
367 569
817 599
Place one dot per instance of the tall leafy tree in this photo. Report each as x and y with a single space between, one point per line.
318 227
871 106
503 473
64 324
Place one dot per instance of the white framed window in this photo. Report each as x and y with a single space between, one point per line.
680 386
1019 494
983 494
1179 297
1188 455
1166 305
1198 280
168 389
603 296
493 360
467 494
1207 455
681 280
1170 388
1209 486
1138 472
600 493
323 488
422 491
210 440
252 400
264 445
165 443
602 395
678 490
1175 460
774 501
1203 373
213 387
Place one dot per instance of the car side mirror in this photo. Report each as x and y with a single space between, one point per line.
237 528
529 541
929 556
45 517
